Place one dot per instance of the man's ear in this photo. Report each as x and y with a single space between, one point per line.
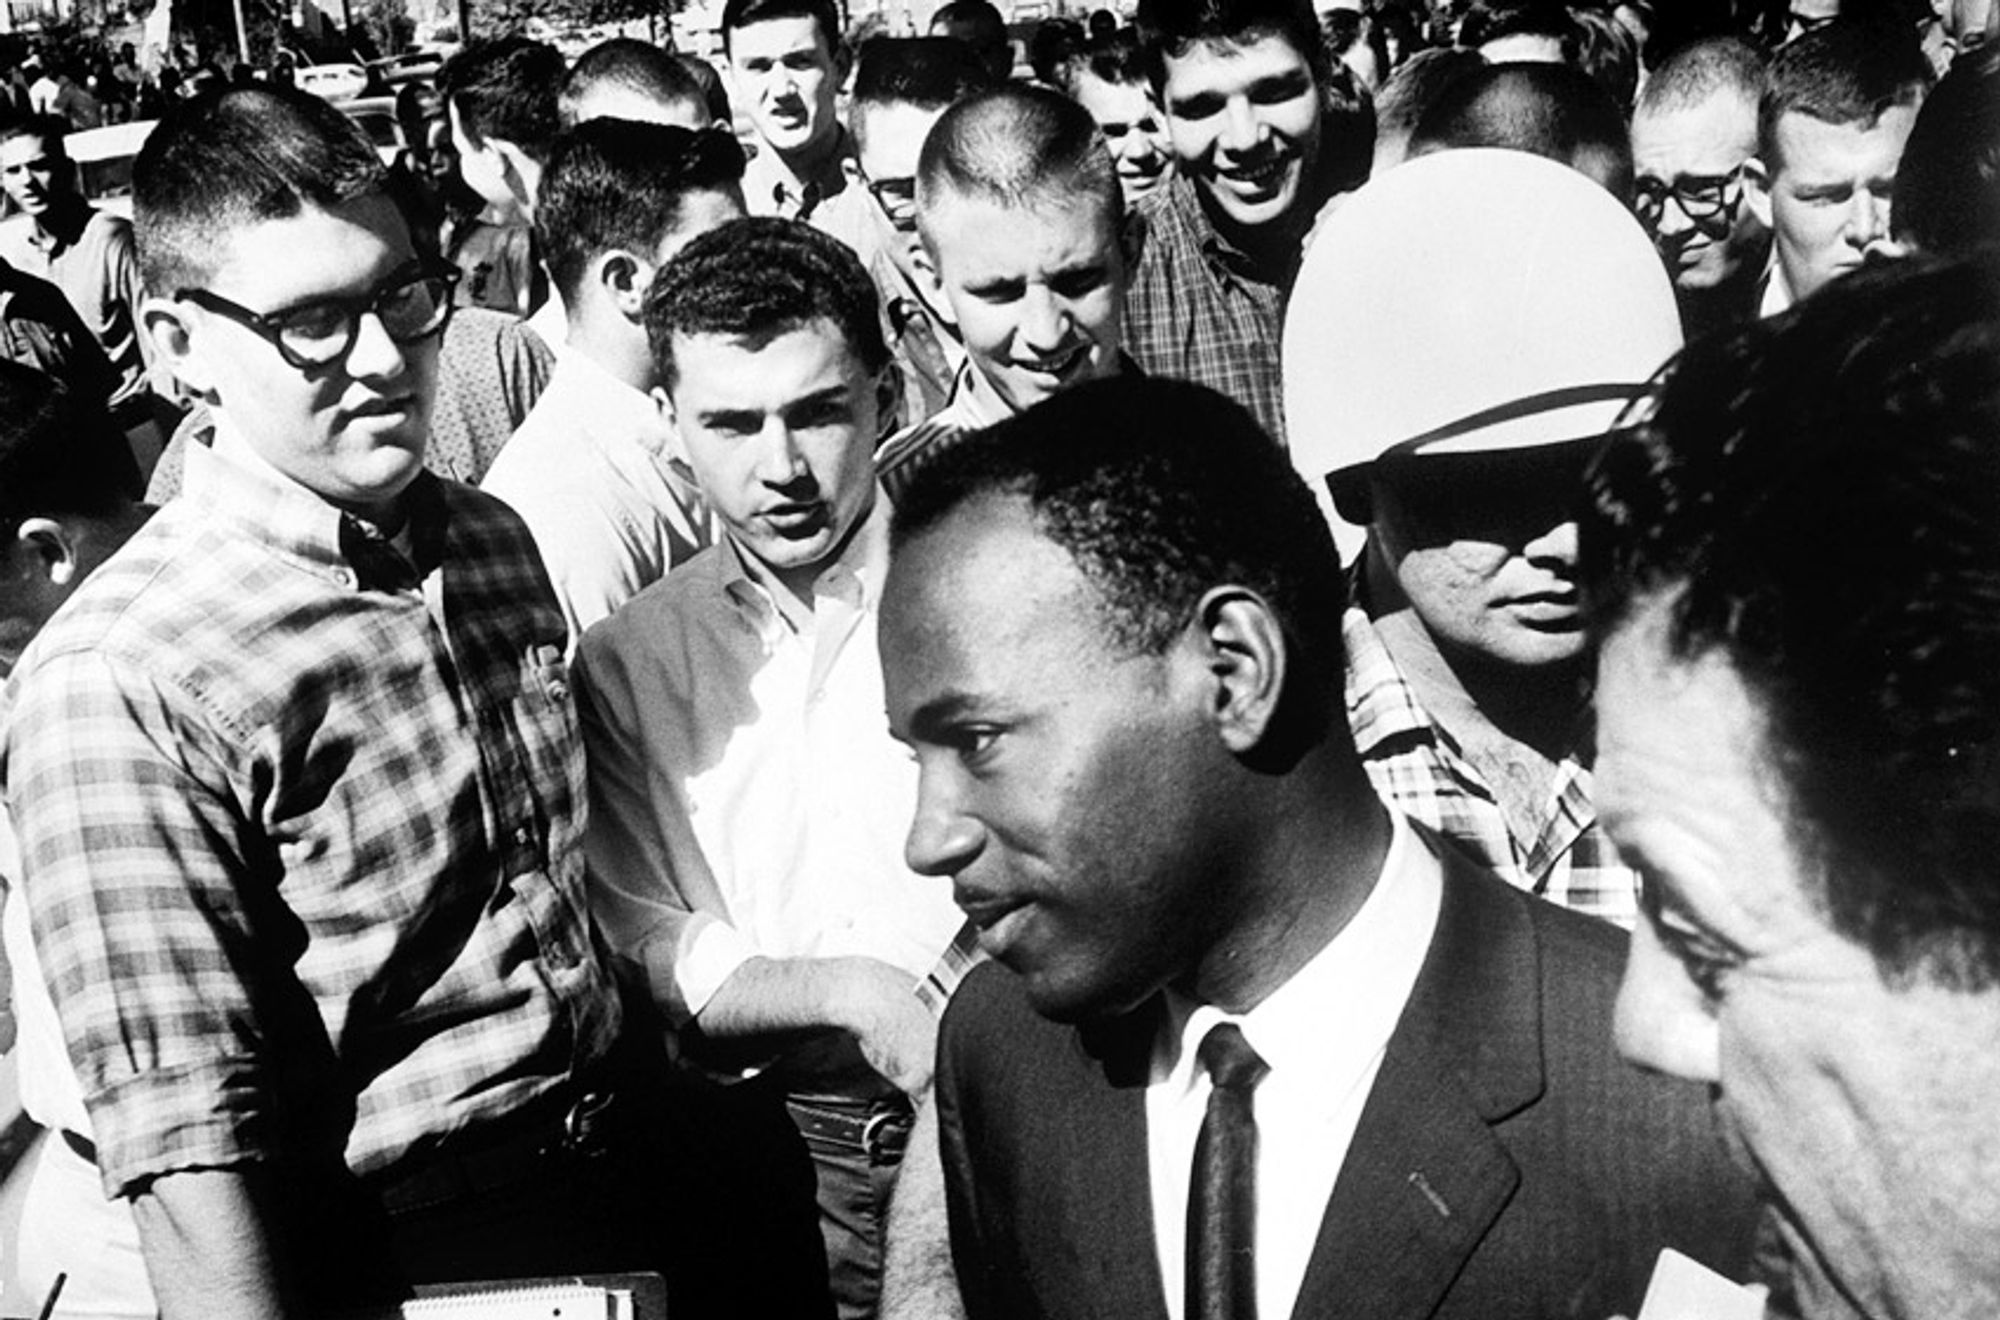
1247 658
53 547
624 278
1757 181
851 168
932 284
888 402
165 322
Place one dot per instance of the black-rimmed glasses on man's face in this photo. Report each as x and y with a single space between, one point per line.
412 304
1704 199
898 200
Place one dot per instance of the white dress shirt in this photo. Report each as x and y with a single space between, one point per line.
1323 1034
591 473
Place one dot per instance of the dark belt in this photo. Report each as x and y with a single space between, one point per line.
85 1148
881 1128
565 1124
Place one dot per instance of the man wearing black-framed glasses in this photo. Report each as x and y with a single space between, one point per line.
1694 127
311 830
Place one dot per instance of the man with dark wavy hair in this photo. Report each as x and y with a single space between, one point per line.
1792 573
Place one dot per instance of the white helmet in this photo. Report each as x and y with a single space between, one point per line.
1469 301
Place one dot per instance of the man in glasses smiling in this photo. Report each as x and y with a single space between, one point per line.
1694 127
298 785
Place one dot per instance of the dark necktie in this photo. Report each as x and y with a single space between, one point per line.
1222 1195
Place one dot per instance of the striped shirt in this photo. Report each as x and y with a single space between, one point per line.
1200 310
1418 770
301 829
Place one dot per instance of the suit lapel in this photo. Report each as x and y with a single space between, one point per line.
1425 1176
1104 1145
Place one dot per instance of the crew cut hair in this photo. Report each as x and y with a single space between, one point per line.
1020 146
1848 72
1702 71
1160 490
1170 28
1816 499
755 279
238 156
507 88
631 64
52 130
619 184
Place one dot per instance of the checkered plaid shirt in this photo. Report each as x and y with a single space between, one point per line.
1417 769
1200 310
301 830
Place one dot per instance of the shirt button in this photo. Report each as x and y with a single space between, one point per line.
524 836
344 576
558 690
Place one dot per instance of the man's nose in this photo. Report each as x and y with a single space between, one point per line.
942 840
1045 321
1867 217
374 354
1241 127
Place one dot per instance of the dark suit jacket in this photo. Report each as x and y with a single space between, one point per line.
1507 1164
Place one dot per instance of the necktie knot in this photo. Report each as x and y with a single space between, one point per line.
1228 1059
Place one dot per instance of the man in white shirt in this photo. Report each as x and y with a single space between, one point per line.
786 64
592 470
747 803
1111 636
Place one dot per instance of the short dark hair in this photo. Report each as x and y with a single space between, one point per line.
1018 145
1169 28
627 62
1948 185
759 278
1845 73
1056 44
507 88
235 156
59 452
616 183
742 13
1817 499
1159 490
1416 85
1494 20
1115 57
1552 110
928 72
51 129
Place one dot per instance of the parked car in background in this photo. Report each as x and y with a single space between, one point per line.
103 160
334 82
377 117
410 66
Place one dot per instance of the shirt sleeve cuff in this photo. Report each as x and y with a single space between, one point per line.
708 952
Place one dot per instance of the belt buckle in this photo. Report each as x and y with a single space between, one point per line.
873 1129
583 1125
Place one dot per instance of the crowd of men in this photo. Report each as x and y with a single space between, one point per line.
885 689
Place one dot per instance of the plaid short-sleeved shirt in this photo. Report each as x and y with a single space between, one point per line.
301 829
1198 309
1417 769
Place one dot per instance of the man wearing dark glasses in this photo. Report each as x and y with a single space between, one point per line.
1448 434
298 787
1693 129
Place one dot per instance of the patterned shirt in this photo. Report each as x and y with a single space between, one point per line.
1418 770
1198 309
300 815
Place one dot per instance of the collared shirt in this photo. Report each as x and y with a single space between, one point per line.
1777 294
973 405
99 274
591 474
771 188
300 819
1323 1034
746 797
1418 770
1199 309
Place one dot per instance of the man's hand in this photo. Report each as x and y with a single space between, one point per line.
897 1033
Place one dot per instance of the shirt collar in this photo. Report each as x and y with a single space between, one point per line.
1380 703
239 486
855 575
1365 972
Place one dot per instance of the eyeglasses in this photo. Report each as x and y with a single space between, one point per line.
897 198
1804 23
412 305
1704 199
